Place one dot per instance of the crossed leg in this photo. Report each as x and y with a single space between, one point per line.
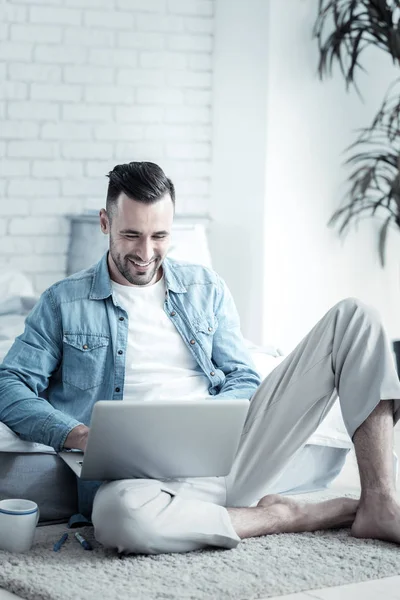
377 513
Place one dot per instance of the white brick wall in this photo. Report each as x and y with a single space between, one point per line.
87 84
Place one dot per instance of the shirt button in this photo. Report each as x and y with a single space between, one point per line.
192 342
210 329
85 346
121 319
212 373
120 352
117 389
173 313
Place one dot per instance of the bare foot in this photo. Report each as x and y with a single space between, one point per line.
329 514
379 519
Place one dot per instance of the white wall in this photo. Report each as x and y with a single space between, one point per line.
239 154
279 137
84 85
310 123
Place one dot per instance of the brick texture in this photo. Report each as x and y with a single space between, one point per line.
86 84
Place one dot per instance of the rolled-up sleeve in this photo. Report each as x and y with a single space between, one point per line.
34 356
230 353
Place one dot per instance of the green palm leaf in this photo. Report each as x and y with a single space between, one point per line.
374 181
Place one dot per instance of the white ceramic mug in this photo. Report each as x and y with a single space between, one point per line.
18 520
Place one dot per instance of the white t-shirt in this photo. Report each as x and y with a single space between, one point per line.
158 365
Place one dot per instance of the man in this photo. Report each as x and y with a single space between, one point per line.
138 324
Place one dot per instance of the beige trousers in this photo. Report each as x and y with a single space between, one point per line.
346 354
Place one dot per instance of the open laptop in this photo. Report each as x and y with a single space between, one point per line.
160 439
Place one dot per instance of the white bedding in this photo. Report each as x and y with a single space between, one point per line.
18 298
332 431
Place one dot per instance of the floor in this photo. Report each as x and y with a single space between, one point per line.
388 588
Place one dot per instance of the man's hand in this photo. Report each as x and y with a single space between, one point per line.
77 438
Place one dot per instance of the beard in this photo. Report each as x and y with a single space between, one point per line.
127 268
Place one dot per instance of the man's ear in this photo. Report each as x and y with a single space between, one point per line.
104 221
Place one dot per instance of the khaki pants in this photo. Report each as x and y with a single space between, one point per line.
347 355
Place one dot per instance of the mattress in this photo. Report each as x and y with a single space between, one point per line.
43 478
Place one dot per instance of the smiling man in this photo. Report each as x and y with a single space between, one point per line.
141 325
139 231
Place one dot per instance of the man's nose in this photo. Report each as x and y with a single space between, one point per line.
145 251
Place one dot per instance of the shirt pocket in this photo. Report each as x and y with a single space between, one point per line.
84 359
204 329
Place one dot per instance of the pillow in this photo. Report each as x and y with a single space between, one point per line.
17 294
269 349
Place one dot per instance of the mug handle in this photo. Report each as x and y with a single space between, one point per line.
37 516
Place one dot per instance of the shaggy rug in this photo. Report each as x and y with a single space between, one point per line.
257 568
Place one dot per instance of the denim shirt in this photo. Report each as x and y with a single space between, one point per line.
72 351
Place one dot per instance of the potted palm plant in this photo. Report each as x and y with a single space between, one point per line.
344 29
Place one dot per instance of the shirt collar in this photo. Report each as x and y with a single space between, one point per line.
101 284
172 281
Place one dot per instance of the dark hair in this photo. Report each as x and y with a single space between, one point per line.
141 181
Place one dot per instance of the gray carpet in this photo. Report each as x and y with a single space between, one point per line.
257 568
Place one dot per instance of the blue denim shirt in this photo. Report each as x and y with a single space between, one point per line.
68 356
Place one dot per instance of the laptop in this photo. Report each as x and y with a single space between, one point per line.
160 439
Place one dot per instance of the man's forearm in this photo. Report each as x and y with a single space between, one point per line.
32 417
